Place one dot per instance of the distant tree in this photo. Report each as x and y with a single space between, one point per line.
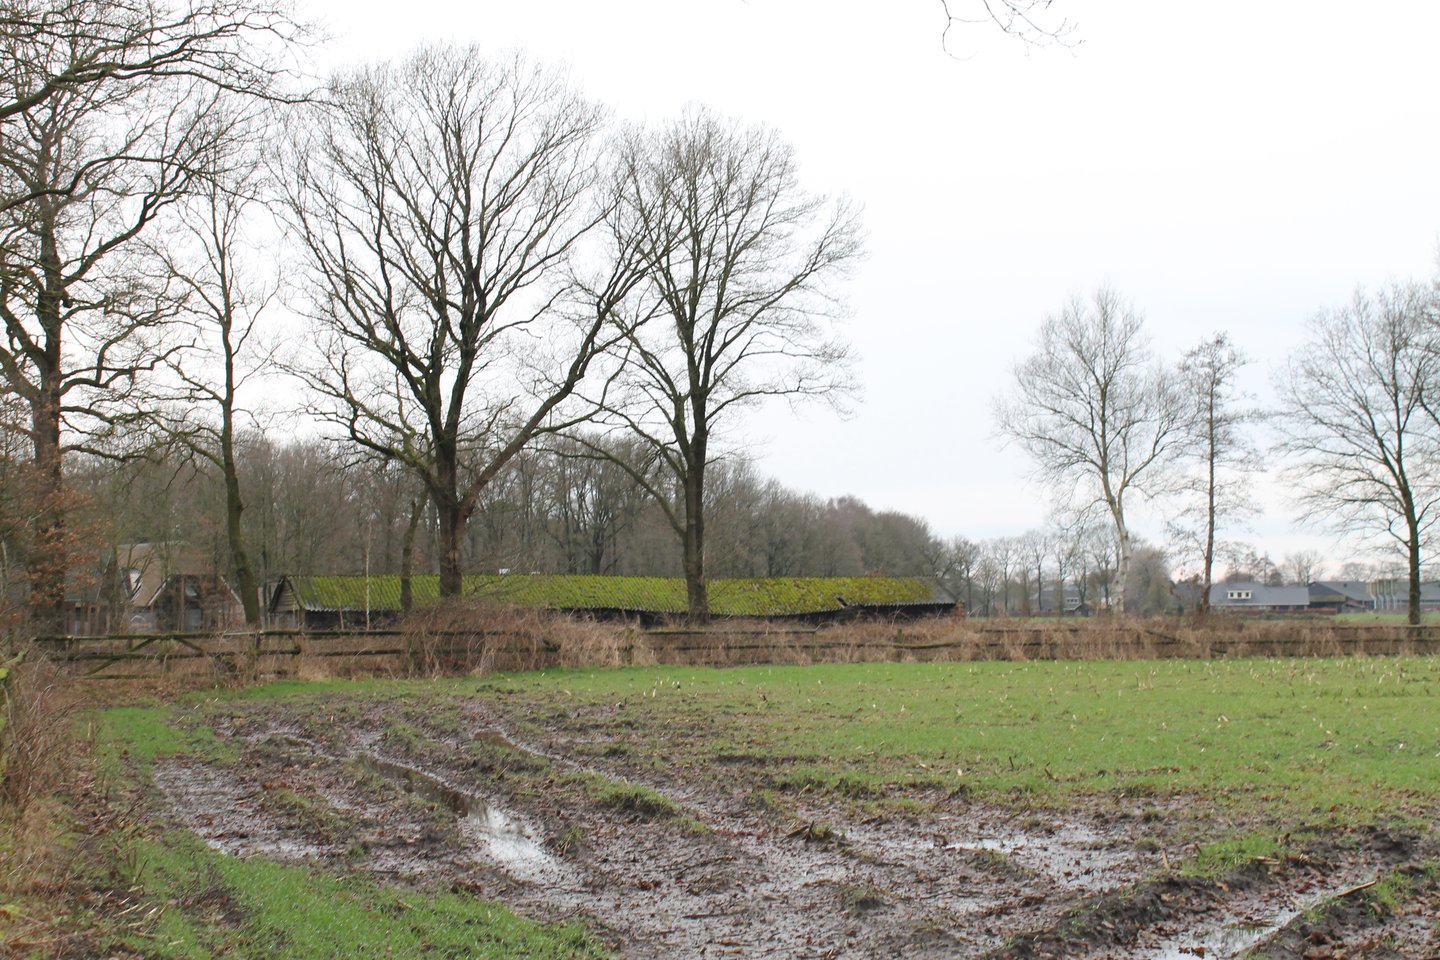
1148 591
1034 547
1244 563
958 571
591 502
739 285
1366 452
1096 412
1223 455
1357 571
1304 566
999 557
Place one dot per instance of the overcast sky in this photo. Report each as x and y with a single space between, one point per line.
1233 165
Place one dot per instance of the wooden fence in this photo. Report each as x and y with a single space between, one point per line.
288 652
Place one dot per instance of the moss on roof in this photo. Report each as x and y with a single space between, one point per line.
769 597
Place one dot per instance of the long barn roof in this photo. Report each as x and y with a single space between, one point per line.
758 597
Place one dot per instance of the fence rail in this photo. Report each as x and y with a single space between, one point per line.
287 652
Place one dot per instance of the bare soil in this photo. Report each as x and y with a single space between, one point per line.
712 862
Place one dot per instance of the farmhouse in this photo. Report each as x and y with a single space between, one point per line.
152 588
1247 595
341 602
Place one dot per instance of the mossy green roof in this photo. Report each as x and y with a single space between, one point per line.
759 597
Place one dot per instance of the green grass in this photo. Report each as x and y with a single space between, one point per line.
1216 859
208 905
224 907
1287 735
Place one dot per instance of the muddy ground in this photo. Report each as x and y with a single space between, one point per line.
714 861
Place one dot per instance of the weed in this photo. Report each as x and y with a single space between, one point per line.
569 841
861 898
1216 859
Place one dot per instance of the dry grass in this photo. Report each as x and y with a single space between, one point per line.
40 706
51 811
480 637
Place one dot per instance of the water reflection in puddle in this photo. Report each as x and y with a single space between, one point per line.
1229 941
499 835
1071 855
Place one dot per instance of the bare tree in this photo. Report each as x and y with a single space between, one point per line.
1026 20
1096 412
104 51
82 306
739 263
958 570
1304 566
1034 548
438 204
1224 453
206 256
1366 452
105 105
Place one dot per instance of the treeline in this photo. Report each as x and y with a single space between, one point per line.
554 509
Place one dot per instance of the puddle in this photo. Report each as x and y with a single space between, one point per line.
1234 939
1226 943
1072 855
504 839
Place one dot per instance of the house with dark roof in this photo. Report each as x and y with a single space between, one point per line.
1385 596
1341 596
1248 595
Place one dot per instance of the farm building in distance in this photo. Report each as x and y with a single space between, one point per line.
153 588
1322 596
339 602
1245 595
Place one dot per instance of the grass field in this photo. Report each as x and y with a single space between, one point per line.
1226 763
1295 736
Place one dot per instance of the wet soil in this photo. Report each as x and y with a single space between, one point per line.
689 862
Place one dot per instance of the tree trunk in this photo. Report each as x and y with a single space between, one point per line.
1208 579
1122 567
407 556
234 508
1413 549
50 553
697 594
452 543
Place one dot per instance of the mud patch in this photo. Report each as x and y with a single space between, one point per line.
499 836
226 814
734 869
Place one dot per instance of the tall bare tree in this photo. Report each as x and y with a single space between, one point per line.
1366 451
104 104
740 263
209 258
1096 411
1224 454
438 204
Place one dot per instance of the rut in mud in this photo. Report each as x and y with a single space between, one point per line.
670 865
